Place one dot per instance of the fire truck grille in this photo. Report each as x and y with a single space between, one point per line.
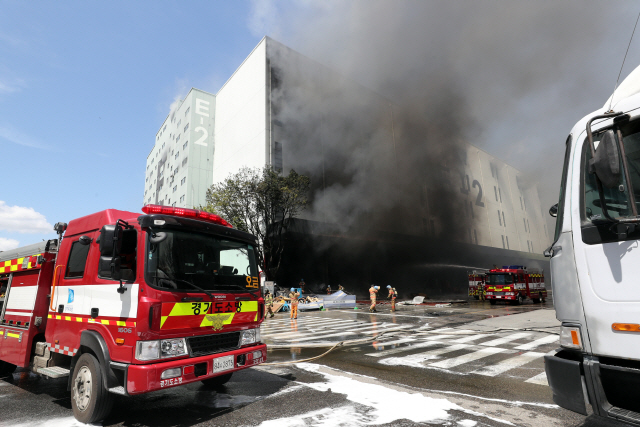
208 344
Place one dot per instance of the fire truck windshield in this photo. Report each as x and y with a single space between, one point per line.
194 262
499 279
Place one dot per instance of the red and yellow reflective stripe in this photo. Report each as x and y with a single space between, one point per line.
19 264
207 314
106 322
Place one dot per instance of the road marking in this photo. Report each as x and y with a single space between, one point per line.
383 344
305 337
466 358
383 327
405 348
541 341
471 338
508 364
506 339
539 379
384 314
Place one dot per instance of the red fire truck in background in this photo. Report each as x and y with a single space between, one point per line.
515 283
124 303
476 283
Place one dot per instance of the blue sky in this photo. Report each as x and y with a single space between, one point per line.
84 87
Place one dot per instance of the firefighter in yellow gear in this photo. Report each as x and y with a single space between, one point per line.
392 296
268 302
293 297
373 292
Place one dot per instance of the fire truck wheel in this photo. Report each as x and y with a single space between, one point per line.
217 381
90 399
535 300
6 369
520 300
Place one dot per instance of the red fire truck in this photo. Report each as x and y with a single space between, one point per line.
515 283
127 303
476 283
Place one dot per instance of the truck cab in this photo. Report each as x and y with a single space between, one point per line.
131 303
595 262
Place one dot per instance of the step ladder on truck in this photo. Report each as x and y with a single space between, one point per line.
127 303
595 262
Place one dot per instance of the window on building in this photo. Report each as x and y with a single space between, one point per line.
277 156
164 128
186 127
184 161
496 192
507 239
184 146
77 260
177 155
187 111
503 220
181 198
183 180
179 121
175 188
503 246
500 194
499 218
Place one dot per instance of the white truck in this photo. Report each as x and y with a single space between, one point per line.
595 263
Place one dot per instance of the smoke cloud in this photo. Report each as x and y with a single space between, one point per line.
510 77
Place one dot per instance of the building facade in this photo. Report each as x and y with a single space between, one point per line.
180 165
371 165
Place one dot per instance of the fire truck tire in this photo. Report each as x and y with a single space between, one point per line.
217 381
520 300
6 369
535 300
90 399
492 302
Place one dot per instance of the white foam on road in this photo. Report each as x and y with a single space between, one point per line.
384 405
417 360
49 422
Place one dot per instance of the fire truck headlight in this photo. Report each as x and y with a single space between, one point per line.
489 293
173 347
250 336
147 350
570 337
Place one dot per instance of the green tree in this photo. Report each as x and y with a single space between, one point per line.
261 202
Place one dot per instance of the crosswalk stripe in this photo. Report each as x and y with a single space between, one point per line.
314 337
471 338
466 358
309 322
418 359
537 343
506 339
334 328
383 344
539 379
507 364
303 325
405 348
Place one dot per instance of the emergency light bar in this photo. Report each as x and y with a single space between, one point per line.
187 213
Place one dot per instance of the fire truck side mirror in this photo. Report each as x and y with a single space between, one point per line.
110 268
606 163
110 241
553 210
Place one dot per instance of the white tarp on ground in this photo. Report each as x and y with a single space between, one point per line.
339 300
416 300
336 300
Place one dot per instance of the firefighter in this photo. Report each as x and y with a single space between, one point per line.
329 290
293 297
341 288
268 301
373 290
392 296
301 285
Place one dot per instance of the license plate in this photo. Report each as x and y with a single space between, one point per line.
221 364
498 296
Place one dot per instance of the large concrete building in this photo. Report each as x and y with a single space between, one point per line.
283 109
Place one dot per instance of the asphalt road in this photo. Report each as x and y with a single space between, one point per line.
461 365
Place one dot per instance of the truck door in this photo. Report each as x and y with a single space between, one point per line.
608 263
